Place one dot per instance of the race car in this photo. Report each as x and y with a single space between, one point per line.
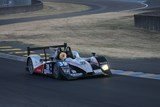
63 63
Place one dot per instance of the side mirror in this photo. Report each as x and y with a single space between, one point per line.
93 54
74 56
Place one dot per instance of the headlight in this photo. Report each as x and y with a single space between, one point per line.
105 67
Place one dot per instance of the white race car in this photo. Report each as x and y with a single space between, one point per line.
63 63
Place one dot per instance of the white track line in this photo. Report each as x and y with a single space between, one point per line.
12 57
137 74
143 3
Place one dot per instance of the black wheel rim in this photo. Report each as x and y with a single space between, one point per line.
30 67
56 74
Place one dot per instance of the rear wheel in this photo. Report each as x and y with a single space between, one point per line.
30 66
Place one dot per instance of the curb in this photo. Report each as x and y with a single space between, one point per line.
13 57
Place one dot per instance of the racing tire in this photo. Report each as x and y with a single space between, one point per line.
30 66
57 72
109 73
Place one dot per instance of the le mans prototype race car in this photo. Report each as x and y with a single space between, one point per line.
63 63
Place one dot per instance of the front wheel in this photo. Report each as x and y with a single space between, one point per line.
57 72
102 60
109 73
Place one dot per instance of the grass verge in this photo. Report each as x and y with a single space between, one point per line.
111 34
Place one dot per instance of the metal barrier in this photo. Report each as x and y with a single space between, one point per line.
148 20
11 3
36 5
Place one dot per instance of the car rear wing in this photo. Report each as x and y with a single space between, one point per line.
29 49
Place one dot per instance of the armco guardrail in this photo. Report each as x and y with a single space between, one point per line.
148 20
36 5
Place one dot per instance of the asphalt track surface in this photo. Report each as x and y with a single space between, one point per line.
96 6
18 89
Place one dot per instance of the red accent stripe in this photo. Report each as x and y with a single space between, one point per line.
39 69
